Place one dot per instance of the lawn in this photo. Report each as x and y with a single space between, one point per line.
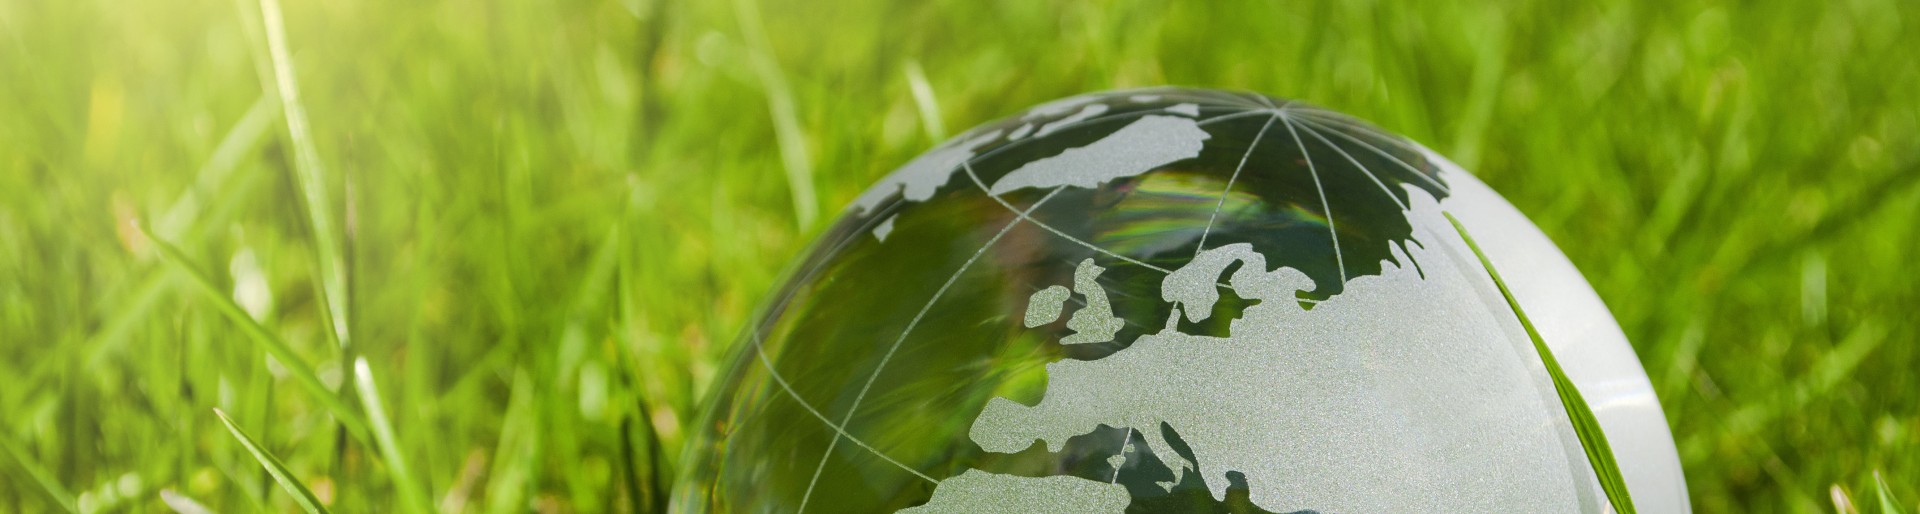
486 255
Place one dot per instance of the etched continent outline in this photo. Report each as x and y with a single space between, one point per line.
1310 405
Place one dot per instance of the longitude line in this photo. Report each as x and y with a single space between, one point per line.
1335 119
1123 457
1356 163
1377 149
1346 121
1202 245
842 431
1331 119
1333 232
1063 235
915 322
759 349
968 168
1263 100
1241 114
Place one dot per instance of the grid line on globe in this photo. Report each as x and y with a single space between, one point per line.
884 360
1369 351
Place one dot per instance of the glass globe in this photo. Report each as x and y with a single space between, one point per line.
1180 300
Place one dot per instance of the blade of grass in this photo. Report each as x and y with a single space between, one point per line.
1883 496
1592 439
243 137
191 206
412 495
647 475
274 467
786 121
182 504
514 459
40 475
1489 68
1842 500
929 105
255 497
332 261
261 396
309 175
301 371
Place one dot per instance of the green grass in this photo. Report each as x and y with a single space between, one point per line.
1585 426
542 223
301 495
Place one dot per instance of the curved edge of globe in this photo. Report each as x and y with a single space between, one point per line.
1580 330
1592 438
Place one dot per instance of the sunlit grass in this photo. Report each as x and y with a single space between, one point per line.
543 224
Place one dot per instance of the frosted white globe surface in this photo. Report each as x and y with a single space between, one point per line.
1178 300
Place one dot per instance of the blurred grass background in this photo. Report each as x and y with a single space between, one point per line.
541 224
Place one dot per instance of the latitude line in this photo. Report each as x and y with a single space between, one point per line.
1239 98
1202 245
967 167
1342 117
1374 148
885 358
1263 99
759 349
1334 120
1241 114
1023 216
1105 117
1363 168
1069 237
785 386
1330 120
1338 260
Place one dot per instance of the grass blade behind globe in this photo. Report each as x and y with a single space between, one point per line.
266 339
1592 439
412 494
649 476
929 105
794 157
279 471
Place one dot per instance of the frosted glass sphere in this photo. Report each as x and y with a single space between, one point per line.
1181 300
